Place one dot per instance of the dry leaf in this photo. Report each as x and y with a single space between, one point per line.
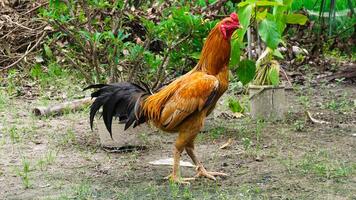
228 143
238 115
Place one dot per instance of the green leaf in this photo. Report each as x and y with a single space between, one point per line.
36 71
195 55
277 54
268 3
268 30
245 17
246 71
86 34
245 3
287 3
261 15
235 53
48 51
296 19
235 106
201 3
273 76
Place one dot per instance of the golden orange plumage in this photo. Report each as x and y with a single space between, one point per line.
181 106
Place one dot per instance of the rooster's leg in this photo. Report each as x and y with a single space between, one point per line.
200 168
178 149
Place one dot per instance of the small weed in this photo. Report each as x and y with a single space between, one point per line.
339 81
250 192
299 125
287 163
187 194
14 135
3 99
215 133
236 106
177 191
305 101
342 104
68 138
260 125
24 173
174 190
246 143
241 131
12 80
144 138
84 191
46 160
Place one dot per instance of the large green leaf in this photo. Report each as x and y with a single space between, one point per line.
268 30
246 71
296 19
235 52
273 76
245 17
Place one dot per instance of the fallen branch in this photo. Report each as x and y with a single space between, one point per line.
35 8
286 76
315 121
348 72
26 53
60 108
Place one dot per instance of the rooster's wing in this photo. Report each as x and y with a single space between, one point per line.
193 95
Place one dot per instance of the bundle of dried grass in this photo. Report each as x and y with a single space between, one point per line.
21 32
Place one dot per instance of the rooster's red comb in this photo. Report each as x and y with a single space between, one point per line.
234 17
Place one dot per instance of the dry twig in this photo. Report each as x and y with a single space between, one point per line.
26 53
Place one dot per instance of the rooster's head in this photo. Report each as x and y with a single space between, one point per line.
228 25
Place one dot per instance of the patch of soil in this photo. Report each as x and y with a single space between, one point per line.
292 159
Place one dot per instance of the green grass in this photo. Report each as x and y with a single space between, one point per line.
340 104
4 99
320 164
48 159
68 137
215 133
24 172
14 135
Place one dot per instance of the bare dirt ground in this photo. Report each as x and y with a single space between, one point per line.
59 157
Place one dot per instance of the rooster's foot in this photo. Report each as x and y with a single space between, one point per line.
203 173
179 180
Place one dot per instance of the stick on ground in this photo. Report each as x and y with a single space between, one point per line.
60 108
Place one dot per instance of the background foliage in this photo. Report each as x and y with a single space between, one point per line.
156 41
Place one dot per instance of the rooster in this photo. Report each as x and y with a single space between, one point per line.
181 106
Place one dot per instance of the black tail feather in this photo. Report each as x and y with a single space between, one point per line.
117 100
95 86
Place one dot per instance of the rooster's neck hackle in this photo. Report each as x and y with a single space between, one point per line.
215 54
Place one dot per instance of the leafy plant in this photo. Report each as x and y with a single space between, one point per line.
235 106
267 20
24 173
14 135
124 45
